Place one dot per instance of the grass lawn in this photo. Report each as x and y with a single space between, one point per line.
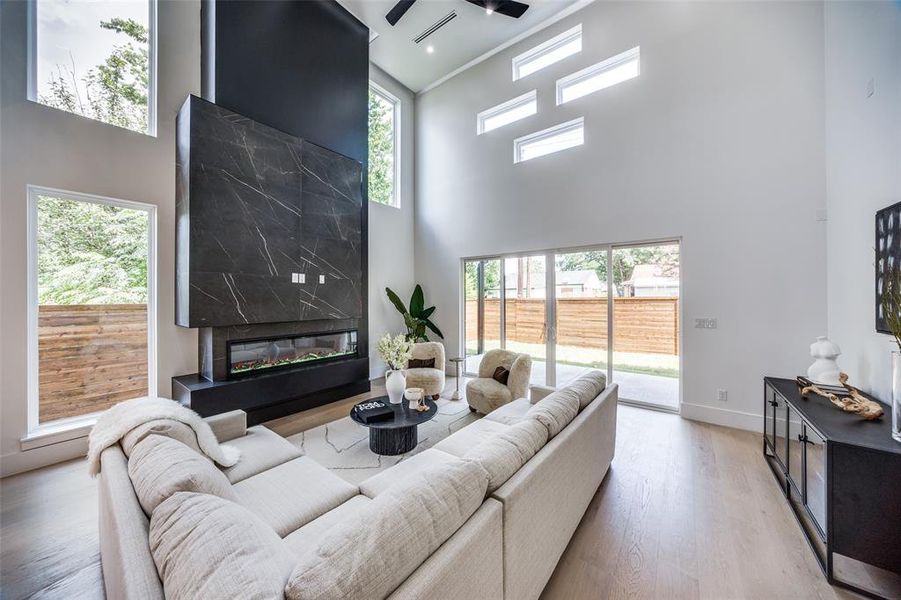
664 365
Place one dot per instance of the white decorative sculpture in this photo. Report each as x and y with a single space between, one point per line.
824 369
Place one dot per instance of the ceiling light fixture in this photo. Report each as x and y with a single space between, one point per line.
430 49
489 11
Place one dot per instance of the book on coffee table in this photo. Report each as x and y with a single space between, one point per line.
374 411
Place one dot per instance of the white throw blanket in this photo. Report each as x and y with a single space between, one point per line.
113 424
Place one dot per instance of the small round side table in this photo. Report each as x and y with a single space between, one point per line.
457 361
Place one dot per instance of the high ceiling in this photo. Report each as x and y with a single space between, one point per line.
468 36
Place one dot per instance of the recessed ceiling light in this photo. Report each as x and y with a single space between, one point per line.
489 11
429 49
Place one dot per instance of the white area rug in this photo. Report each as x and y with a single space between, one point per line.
343 445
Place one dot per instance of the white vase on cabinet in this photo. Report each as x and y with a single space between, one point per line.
825 369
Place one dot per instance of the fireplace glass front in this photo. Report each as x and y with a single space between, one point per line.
253 356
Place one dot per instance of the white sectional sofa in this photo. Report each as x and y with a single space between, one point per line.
486 513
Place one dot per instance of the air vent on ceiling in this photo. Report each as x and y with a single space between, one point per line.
436 26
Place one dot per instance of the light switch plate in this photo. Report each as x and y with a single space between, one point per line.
322 279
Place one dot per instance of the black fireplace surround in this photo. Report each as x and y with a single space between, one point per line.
269 266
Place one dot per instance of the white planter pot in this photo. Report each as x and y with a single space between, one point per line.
395 384
896 396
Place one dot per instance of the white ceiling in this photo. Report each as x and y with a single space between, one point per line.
469 36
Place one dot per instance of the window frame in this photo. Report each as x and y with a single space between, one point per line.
504 107
34 427
605 65
565 127
396 103
546 47
32 68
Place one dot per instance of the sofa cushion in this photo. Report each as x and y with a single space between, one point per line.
588 387
207 547
369 555
431 380
503 454
308 536
460 442
556 411
161 466
261 449
508 414
167 427
403 470
294 493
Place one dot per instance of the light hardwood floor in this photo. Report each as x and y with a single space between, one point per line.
688 510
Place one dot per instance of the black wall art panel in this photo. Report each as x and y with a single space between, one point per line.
888 254
269 226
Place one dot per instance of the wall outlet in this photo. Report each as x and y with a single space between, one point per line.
705 323
722 395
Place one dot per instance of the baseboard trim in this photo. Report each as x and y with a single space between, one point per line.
44 456
721 416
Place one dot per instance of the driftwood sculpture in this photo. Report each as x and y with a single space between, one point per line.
854 402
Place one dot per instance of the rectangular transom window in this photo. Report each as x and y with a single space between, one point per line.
91 305
508 112
550 140
95 59
384 146
555 49
604 74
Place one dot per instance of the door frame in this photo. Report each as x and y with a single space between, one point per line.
550 255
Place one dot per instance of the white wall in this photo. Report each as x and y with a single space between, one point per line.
391 234
48 147
720 141
863 174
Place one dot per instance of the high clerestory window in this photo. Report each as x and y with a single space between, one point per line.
95 59
384 146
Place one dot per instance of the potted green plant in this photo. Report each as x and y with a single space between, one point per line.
416 318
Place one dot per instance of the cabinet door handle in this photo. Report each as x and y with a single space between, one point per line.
803 439
774 403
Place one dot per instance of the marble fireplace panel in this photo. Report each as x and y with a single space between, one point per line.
269 226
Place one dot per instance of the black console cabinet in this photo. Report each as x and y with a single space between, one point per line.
842 478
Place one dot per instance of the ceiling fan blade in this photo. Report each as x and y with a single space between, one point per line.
509 8
398 11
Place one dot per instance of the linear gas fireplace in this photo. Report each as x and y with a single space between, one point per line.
254 356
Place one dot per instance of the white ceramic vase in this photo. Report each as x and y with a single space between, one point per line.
395 384
824 369
896 396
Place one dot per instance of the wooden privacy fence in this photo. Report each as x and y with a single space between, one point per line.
643 325
91 356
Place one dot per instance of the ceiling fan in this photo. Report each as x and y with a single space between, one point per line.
509 8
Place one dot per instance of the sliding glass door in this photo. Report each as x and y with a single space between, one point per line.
612 307
580 307
646 323
482 309
525 299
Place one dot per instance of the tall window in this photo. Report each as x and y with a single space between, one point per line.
95 59
92 304
384 147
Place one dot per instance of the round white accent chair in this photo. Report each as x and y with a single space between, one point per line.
485 394
431 380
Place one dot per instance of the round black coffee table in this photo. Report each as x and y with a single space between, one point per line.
398 435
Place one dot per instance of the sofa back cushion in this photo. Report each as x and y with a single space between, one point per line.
160 466
373 552
207 547
588 387
502 454
556 411
165 427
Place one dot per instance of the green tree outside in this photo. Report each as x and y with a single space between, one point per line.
381 150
